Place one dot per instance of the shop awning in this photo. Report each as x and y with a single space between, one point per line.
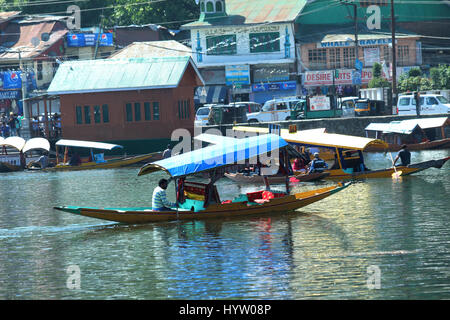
210 94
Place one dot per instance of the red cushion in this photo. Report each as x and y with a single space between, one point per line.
267 195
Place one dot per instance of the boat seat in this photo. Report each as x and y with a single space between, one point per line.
192 205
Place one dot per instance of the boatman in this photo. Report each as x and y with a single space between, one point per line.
404 155
168 152
317 164
159 199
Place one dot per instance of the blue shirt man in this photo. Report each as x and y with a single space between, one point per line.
317 165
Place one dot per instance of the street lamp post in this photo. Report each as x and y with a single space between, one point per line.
25 130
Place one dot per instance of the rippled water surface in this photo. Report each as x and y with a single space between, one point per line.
333 249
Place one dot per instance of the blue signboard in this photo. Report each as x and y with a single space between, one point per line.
11 79
274 86
356 77
11 94
89 39
358 65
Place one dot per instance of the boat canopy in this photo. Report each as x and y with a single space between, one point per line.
15 142
87 144
318 138
408 126
227 153
36 143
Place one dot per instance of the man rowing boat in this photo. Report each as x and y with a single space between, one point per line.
159 199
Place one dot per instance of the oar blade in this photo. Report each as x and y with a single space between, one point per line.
396 175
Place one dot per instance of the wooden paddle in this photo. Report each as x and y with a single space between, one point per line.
396 174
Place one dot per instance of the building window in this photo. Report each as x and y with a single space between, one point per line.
39 70
349 57
209 7
137 111
105 112
403 55
147 111
97 117
220 45
219 6
367 3
202 7
264 42
183 109
87 114
387 53
79 114
155 110
335 58
129 112
317 58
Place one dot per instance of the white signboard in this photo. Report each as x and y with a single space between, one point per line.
318 103
371 55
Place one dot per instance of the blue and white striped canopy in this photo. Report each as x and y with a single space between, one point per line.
227 153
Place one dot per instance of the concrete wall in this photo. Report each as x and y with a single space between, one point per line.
350 126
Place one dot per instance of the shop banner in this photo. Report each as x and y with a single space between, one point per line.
89 39
274 86
237 74
11 94
11 79
318 103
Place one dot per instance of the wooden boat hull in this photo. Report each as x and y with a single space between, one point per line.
436 144
387 173
239 177
8 167
145 215
109 164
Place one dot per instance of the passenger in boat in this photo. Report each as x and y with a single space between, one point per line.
317 164
404 155
159 199
75 160
168 152
299 164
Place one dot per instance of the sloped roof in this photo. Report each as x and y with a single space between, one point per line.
120 74
407 126
169 48
8 15
30 32
241 12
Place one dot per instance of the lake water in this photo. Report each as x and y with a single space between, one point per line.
377 239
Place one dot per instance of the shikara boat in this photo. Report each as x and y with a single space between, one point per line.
197 200
97 160
348 161
417 134
17 160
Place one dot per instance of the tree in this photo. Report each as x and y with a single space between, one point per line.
377 80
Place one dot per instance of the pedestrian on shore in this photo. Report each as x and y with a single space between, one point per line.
404 155
13 122
168 152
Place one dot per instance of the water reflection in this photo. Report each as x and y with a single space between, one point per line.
321 251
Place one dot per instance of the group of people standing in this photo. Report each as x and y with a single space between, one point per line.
10 126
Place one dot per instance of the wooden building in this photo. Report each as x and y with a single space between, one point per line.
135 102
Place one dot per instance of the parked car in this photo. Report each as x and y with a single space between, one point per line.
274 110
429 104
202 114
251 106
347 105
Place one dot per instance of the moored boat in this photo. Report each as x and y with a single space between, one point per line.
20 157
197 200
97 160
298 177
348 151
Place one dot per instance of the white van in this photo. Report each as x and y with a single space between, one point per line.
202 114
429 104
274 110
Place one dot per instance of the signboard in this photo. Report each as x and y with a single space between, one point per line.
237 74
361 43
356 77
318 78
11 94
274 86
359 64
371 55
345 77
11 79
89 39
319 103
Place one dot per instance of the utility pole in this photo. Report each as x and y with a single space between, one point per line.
356 41
97 43
394 57
25 130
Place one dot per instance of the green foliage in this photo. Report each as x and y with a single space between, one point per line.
377 80
440 77
414 72
414 84
170 14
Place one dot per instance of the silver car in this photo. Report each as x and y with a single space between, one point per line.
348 106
